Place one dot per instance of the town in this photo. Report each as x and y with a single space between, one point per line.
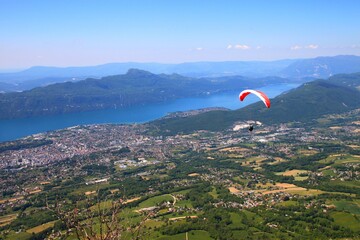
175 177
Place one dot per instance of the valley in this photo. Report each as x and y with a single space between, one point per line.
228 185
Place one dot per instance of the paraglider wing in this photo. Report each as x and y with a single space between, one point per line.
261 95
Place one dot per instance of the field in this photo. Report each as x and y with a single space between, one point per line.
153 223
132 200
278 160
293 189
341 159
182 217
184 203
41 228
288 203
234 149
329 172
4 220
307 152
10 199
213 193
295 173
193 174
90 188
233 190
17 236
156 200
347 206
192 235
254 161
346 220
354 183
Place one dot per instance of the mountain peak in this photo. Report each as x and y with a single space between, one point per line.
138 72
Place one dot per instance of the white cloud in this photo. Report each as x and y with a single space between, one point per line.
242 47
229 46
258 47
312 46
199 49
296 47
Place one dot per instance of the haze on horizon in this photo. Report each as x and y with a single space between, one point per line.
88 32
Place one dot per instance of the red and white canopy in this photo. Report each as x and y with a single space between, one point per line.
260 94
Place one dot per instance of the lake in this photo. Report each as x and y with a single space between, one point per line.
17 128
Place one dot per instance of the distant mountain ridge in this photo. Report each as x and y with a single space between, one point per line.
321 67
194 69
338 94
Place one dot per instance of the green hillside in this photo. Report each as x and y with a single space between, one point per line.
311 100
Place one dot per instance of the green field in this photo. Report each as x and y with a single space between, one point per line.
347 206
213 193
151 223
180 215
89 188
341 159
41 227
183 192
236 220
156 200
253 216
183 203
192 235
345 183
288 203
329 172
18 236
346 220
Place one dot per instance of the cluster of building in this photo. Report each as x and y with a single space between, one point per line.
145 149
84 140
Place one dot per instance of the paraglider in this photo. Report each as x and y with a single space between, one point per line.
251 127
261 95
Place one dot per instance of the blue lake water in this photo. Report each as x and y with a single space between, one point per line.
17 128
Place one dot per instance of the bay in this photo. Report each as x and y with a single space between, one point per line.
16 128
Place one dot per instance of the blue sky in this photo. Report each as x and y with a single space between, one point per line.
88 32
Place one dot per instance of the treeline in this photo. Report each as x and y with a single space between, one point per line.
18 145
216 221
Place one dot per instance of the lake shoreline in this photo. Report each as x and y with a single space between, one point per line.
18 128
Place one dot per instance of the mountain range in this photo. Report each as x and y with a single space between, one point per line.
308 69
136 87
